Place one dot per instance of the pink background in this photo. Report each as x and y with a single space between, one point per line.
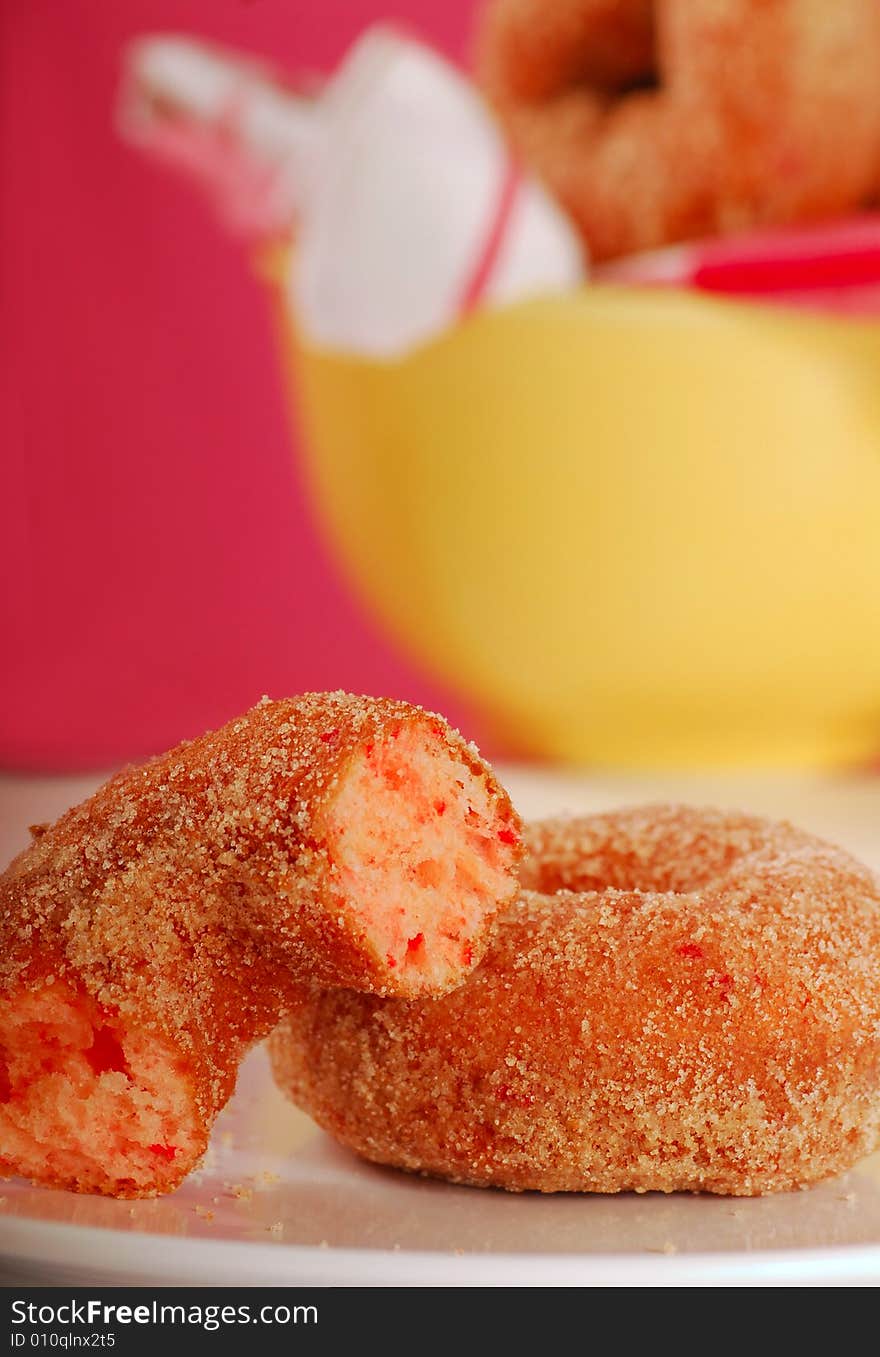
161 568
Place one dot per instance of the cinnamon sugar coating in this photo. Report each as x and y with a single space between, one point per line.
155 932
701 1011
658 120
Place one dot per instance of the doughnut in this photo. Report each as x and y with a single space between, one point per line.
677 999
155 932
653 121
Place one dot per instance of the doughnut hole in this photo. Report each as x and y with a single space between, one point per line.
90 1103
424 856
537 52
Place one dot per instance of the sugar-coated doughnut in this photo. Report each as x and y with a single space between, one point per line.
700 1011
658 120
153 934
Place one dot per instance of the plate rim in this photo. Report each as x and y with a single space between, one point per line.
199 1261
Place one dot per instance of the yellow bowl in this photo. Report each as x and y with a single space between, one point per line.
638 528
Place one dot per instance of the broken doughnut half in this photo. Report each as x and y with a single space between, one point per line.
152 935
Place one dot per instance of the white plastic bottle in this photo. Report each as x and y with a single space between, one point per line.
405 205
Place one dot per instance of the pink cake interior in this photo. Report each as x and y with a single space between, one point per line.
425 853
86 1103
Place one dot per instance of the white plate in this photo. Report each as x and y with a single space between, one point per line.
278 1203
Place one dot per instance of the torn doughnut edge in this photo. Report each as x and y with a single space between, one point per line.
424 847
89 1101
